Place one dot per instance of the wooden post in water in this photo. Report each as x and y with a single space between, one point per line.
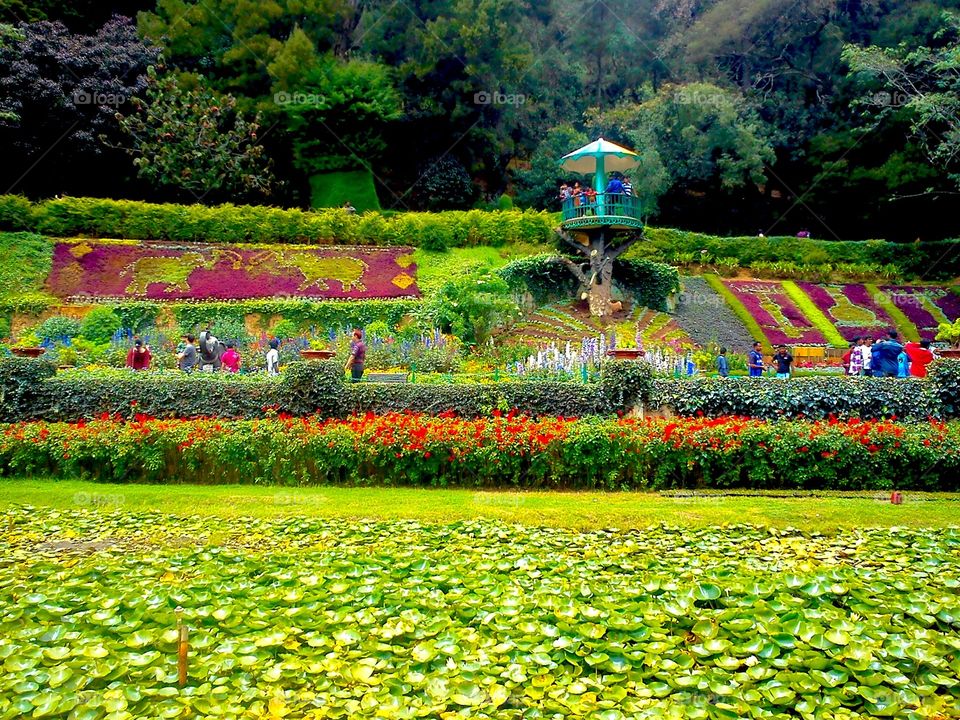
183 647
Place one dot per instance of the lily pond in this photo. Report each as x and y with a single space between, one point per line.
298 618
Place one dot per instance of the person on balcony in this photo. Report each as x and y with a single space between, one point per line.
590 196
578 199
627 186
614 194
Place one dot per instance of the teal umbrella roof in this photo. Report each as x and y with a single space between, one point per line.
615 158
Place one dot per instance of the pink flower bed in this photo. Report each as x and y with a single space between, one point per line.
160 271
925 306
874 321
791 328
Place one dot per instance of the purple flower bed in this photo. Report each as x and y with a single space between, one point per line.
175 272
798 331
859 297
914 301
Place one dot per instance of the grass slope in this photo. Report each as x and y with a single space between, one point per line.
335 188
581 511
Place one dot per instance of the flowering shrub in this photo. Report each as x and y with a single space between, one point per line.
502 451
127 269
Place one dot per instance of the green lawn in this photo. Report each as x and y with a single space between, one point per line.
569 510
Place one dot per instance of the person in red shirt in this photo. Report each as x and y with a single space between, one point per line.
139 356
920 356
230 360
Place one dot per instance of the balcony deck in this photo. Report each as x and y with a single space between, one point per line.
612 210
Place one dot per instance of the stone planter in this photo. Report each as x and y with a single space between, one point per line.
625 353
28 352
317 354
952 353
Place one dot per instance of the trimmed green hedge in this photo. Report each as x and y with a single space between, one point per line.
96 217
813 397
30 390
928 260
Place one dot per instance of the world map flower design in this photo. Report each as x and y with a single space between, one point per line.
164 271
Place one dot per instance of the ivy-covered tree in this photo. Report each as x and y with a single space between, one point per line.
194 142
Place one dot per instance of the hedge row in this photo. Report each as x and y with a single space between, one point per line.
816 397
30 390
502 451
321 314
97 217
928 260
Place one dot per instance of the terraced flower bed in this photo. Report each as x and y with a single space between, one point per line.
851 308
343 619
781 321
566 321
925 306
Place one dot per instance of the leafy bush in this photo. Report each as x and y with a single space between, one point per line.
813 397
546 278
22 387
472 307
506 450
945 376
58 326
100 324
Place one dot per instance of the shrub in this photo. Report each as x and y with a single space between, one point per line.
100 325
57 327
96 217
472 307
814 397
546 278
505 450
945 376
22 388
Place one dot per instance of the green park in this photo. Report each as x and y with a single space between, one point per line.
480 359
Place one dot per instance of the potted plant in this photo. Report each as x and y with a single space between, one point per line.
623 347
318 350
950 333
28 346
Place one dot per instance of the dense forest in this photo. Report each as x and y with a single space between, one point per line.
841 117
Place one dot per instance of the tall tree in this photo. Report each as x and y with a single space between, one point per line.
59 92
195 143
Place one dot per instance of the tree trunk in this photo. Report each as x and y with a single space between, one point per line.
599 293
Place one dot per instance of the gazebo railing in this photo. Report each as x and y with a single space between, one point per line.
581 210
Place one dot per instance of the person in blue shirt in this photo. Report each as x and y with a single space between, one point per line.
885 353
903 364
723 365
614 195
755 361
